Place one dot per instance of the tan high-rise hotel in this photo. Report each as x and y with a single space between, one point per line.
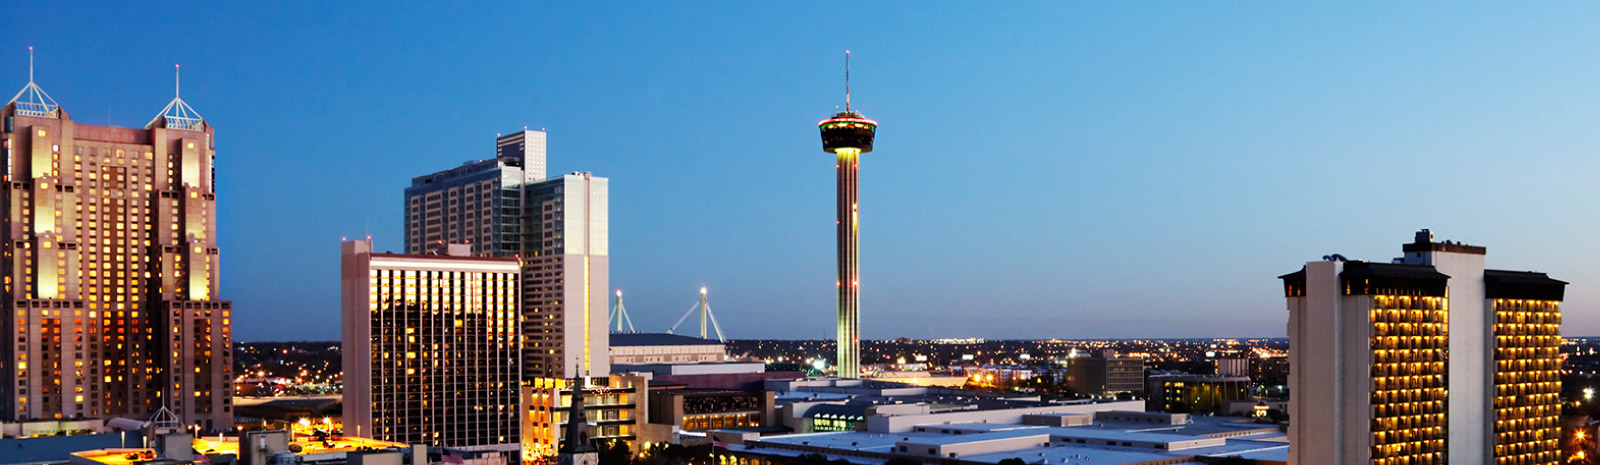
111 268
1430 359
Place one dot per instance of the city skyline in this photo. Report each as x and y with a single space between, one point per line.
1114 166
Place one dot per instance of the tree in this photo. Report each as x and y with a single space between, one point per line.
1277 416
614 452
1013 461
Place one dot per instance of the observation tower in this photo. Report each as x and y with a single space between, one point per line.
847 135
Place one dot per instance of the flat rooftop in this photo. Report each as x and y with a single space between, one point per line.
118 456
1251 444
308 446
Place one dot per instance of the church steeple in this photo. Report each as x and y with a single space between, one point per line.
576 448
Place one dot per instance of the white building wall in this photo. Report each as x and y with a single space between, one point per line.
1314 434
586 274
1470 416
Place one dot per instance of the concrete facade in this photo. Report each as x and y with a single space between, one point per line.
1377 386
566 277
557 227
112 269
616 407
653 348
1471 361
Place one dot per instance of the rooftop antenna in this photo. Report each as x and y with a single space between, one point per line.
846 81
178 114
33 101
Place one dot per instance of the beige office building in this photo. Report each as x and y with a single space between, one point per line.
566 278
111 276
431 348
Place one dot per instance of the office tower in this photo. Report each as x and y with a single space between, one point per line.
566 277
506 208
112 268
847 135
477 203
527 146
1430 359
431 347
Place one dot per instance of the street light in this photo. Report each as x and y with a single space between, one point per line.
1588 393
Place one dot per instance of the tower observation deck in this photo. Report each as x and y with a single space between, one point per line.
847 135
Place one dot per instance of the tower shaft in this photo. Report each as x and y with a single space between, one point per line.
849 343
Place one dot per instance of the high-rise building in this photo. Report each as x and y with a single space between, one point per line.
431 348
557 227
566 277
847 135
111 276
527 146
1427 360
478 203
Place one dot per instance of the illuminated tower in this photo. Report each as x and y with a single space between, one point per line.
848 135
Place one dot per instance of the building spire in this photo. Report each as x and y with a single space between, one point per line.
846 81
178 114
33 101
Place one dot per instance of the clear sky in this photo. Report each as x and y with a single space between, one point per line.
1054 169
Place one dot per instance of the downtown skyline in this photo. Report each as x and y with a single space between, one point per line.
1044 171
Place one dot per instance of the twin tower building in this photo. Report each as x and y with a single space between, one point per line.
1430 359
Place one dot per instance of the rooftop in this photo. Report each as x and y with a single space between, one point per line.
658 339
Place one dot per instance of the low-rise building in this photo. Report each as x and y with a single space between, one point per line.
1185 393
615 406
1101 437
1105 374
648 348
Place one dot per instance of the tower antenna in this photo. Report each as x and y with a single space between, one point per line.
30 64
846 81
176 74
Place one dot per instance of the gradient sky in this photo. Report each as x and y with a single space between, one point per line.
1074 170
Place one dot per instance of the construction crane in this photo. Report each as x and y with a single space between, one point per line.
705 316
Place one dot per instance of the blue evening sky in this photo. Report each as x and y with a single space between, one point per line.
1052 169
